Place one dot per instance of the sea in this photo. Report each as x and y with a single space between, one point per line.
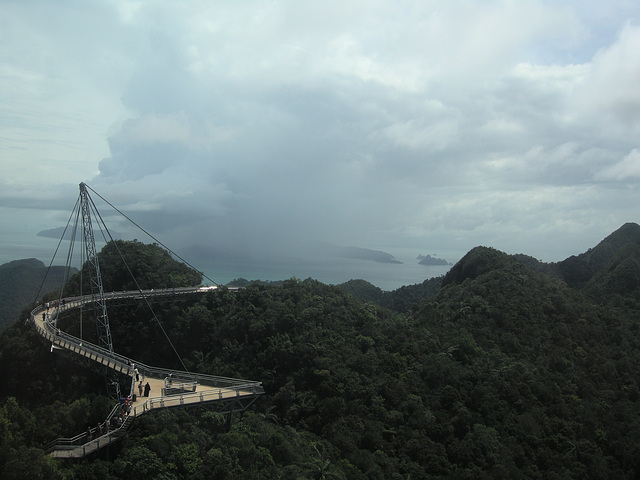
332 271
329 270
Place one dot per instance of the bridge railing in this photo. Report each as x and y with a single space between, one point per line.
76 301
111 432
67 341
177 378
114 360
203 396
88 349
124 364
100 438
180 386
153 292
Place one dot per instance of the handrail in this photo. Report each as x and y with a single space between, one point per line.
225 388
121 363
152 403
81 439
125 364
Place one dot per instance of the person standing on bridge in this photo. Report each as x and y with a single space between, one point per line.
140 389
147 389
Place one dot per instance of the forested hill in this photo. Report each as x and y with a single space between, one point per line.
506 372
129 265
20 281
616 254
616 257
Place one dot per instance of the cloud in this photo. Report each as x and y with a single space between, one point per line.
626 169
617 65
265 125
309 133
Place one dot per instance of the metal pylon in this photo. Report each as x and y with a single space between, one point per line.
97 291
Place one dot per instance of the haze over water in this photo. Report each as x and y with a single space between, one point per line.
387 276
330 270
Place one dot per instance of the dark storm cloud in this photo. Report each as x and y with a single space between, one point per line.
264 126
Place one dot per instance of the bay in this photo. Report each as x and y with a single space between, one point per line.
329 270
333 271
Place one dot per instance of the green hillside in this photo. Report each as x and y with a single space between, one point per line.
20 282
497 371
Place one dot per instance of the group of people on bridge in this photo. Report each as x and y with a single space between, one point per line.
120 417
146 388
100 430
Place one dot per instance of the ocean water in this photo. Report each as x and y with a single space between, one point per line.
333 271
330 270
20 248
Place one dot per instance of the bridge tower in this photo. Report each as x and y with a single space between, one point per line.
97 291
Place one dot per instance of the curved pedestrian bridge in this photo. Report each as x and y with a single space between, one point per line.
165 388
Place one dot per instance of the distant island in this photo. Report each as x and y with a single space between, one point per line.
429 260
329 250
366 254
59 231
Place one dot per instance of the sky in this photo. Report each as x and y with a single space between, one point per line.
258 128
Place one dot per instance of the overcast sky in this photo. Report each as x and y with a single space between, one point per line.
433 126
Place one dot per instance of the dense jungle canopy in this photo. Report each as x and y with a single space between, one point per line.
506 368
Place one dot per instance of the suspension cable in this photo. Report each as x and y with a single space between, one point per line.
151 236
101 223
74 231
82 253
67 267
144 297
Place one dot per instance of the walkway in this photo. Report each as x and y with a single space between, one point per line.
167 388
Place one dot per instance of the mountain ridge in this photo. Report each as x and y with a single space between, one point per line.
505 371
20 283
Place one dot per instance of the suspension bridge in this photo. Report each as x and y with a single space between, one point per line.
146 388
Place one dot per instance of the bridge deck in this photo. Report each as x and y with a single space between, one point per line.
184 389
